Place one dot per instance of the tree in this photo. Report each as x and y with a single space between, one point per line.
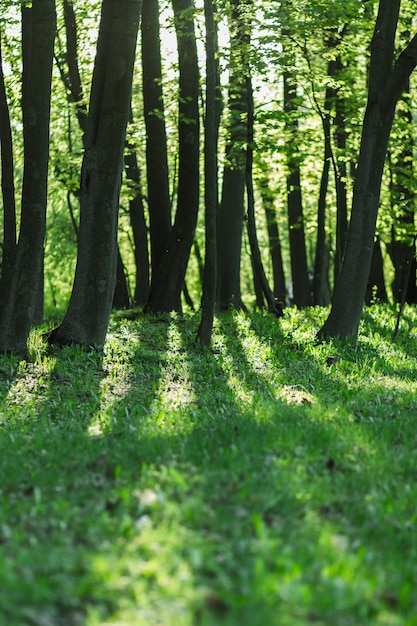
88 313
168 279
387 81
210 180
231 210
299 267
159 202
24 262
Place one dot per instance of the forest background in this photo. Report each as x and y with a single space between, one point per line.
290 88
154 163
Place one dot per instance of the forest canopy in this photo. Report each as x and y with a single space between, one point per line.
165 156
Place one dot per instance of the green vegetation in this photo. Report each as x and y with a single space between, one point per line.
270 481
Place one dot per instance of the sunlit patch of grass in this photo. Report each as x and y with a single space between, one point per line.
268 480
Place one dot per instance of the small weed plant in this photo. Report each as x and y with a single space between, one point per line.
268 481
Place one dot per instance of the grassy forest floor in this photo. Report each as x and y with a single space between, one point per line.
270 481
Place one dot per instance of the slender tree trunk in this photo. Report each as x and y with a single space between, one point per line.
386 83
273 236
20 291
210 180
340 172
298 253
168 282
258 268
402 190
88 313
321 287
375 289
7 182
159 201
231 210
139 228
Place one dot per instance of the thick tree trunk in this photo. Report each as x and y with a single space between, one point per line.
88 313
19 292
386 83
210 180
168 281
159 201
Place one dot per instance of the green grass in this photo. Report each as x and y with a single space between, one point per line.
259 483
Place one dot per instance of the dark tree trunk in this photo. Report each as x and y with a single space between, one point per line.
159 201
68 66
210 179
339 167
7 182
261 280
168 281
386 83
121 299
71 77
298 253
231 210
273 237
375 289
88 313
321 287
402 188
19 292
139 228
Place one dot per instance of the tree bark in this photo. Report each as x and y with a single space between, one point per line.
386 83
159 201
259 273
231 210
168 281
210 180
298 253
7 181
139 227
273 237
88 313
19 292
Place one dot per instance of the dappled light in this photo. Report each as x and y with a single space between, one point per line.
251 483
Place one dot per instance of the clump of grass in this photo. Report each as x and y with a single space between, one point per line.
269 480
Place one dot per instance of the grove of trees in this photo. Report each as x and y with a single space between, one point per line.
209 154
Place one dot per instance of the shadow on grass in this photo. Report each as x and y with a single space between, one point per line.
226 505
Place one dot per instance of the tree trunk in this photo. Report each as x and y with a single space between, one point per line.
261 280
231 210
159 201
7 182
19 292
386 83
139 228
168 281
375 289
402 191
273 237
88 313
298 253
210 180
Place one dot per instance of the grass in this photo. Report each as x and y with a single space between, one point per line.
268 481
